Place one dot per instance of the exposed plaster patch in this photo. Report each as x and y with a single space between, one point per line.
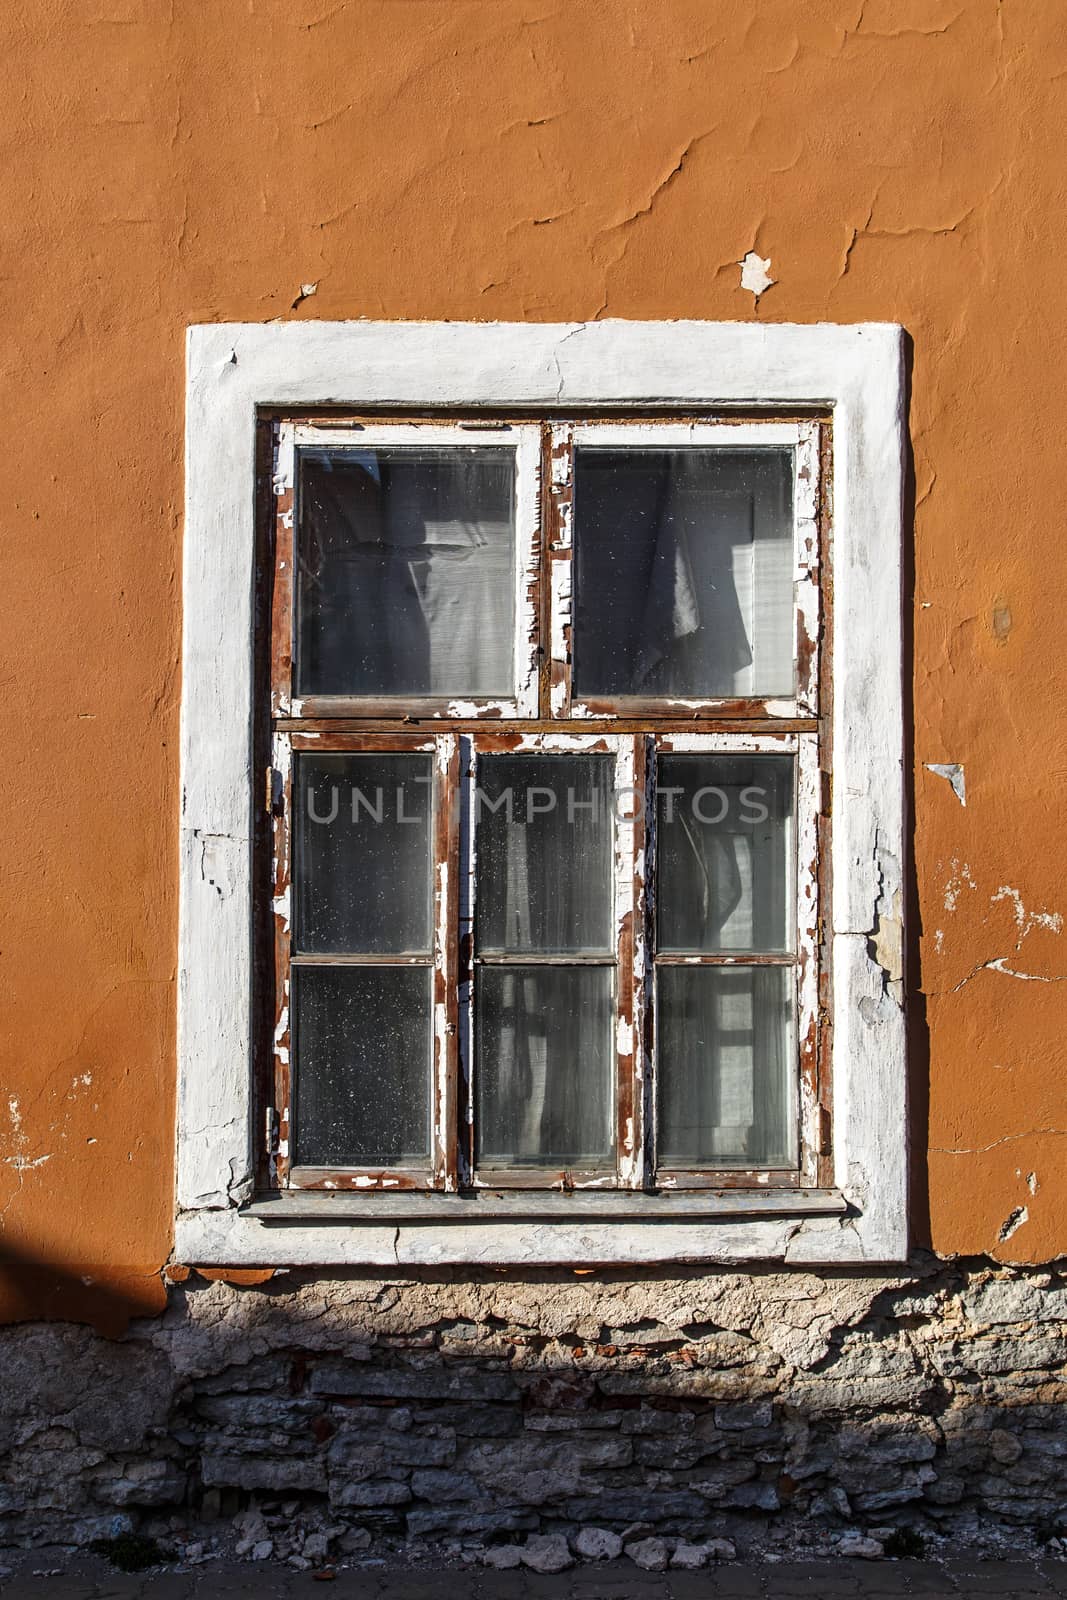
953 771
1027 977
756 273
961 875
306 291
885 941
1025 920
1013 1223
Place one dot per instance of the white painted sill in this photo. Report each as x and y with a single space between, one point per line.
544 1205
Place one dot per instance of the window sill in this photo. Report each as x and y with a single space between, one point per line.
490 1205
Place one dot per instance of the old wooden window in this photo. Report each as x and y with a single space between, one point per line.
548 733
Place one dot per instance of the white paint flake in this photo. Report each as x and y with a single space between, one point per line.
756 273
953 771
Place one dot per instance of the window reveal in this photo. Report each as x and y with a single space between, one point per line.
550 787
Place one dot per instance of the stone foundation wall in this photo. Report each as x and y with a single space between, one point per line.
696 1404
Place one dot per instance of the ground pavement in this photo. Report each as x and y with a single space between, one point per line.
842 1579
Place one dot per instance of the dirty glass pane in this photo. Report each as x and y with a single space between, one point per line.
543 1083
725 1080
725 866
405 571
544 863
684 572
361 1063
362 853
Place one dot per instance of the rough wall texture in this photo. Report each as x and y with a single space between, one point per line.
696 1406
893 159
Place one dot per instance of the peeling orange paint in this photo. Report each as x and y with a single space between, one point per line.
893 160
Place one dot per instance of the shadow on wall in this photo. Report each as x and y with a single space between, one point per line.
425 1408
918 1032
106 1298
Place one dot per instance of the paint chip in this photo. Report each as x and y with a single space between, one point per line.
953 771
306 291
756 273
1013 1223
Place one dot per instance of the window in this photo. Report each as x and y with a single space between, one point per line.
535 926
562 956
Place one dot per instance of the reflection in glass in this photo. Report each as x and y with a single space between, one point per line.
725 1081
405 571
684 572
544 841
361 1065
724 829
543 1086
362 876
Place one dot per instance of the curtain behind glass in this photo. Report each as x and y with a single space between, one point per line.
725 1049
544 1069
405 572
684 572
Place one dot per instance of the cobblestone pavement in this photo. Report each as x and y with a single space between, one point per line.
850 1580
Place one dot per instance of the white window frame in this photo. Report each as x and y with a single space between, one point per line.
855 373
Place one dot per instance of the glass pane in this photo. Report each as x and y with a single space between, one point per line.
725 1067
543 1084
544 863
405 572
684 576
725 854
361 1052
362 853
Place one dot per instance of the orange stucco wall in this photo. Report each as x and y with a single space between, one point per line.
895 159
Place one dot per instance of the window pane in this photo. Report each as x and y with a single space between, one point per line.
405 572
361 1043
544 863
725 1075
362 853
725 854
684 572
543 1085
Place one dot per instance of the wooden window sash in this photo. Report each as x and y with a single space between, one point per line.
803 438
525 440
639 730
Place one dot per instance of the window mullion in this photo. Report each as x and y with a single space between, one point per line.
446 962
560 515
806 588
279 1114
630 834
281 593
809 795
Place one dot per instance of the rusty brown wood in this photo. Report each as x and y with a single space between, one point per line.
543 1178
729 712
824 1042
263 967
281 899
518 729
482 419
671 1178
559 567
676 959
630 1129
310 738
446 971
283 576
366 1179
395 708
